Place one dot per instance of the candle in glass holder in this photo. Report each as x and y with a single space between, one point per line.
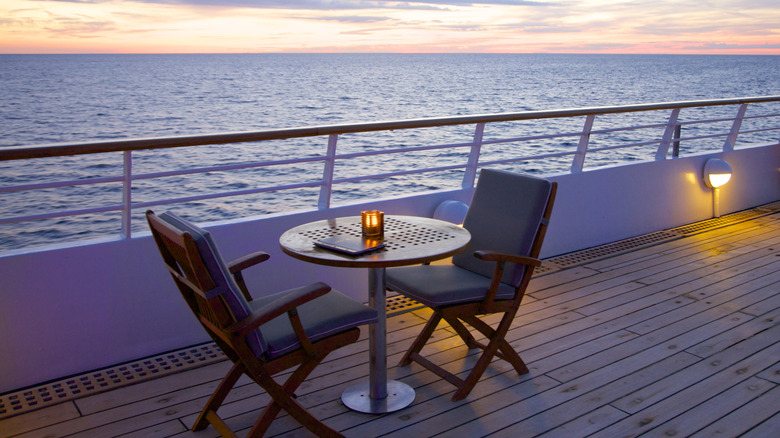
372 222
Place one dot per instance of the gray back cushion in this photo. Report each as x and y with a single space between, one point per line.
504 216
225 284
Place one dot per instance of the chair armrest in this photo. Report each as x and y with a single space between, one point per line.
280 306
493 256
501 259
247 261
236 266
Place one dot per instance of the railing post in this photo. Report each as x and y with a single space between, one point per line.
731 140
582 148
127 197
676 143
666 141
327 173
471 167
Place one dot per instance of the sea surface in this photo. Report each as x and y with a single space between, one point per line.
65 98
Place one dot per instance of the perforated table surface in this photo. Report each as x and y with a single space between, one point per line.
408 240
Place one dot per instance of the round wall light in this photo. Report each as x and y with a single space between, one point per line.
716 173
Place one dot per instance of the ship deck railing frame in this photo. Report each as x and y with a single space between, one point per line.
667 146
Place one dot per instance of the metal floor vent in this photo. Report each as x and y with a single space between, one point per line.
398 304
107 379
729 219
610 249
193 357
634 243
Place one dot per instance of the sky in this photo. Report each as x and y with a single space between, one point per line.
343 26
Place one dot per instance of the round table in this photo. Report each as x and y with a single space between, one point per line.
408 240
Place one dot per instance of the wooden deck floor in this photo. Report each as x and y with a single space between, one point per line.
677 339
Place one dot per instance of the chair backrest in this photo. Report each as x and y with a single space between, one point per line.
507 214
204 270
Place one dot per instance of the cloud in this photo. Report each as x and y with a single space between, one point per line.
539 27
76 25
80 26
732 46
322 5
347 19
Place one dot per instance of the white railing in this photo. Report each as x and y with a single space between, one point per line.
669 126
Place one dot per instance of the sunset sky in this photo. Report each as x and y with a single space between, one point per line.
498 26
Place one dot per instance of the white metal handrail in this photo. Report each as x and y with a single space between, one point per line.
333 132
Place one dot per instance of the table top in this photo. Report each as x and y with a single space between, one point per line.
408 240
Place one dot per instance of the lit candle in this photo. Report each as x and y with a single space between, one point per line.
372 222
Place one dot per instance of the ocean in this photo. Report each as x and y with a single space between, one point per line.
64 98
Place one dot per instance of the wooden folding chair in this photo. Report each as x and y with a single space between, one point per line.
255 334
507 219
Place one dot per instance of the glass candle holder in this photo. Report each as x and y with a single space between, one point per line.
373 223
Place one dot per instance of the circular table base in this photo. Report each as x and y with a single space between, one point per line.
399 396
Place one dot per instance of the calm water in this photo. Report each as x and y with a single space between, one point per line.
62 98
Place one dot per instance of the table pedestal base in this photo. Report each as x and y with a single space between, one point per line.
357 398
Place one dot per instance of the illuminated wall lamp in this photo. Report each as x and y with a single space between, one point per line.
716 173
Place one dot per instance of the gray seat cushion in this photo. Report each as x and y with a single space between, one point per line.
327 315
440 285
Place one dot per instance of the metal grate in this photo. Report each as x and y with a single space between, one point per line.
107 379
610 249
718 222
769 208
399 304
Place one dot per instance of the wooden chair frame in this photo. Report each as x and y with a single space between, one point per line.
185 265
458 314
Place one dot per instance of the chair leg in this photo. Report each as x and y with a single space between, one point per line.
462 331
422 338
289 387
510 355
487 355
281 398
216 399
506 351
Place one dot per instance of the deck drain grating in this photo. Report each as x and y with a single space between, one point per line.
610 249
107 379
630 244
398 304
720 221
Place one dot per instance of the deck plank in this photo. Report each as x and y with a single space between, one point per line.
698 392
31 421
713 409
561 418
668 387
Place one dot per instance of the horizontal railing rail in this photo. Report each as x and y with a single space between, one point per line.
473 157
65 149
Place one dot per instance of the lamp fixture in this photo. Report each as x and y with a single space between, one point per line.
716 173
